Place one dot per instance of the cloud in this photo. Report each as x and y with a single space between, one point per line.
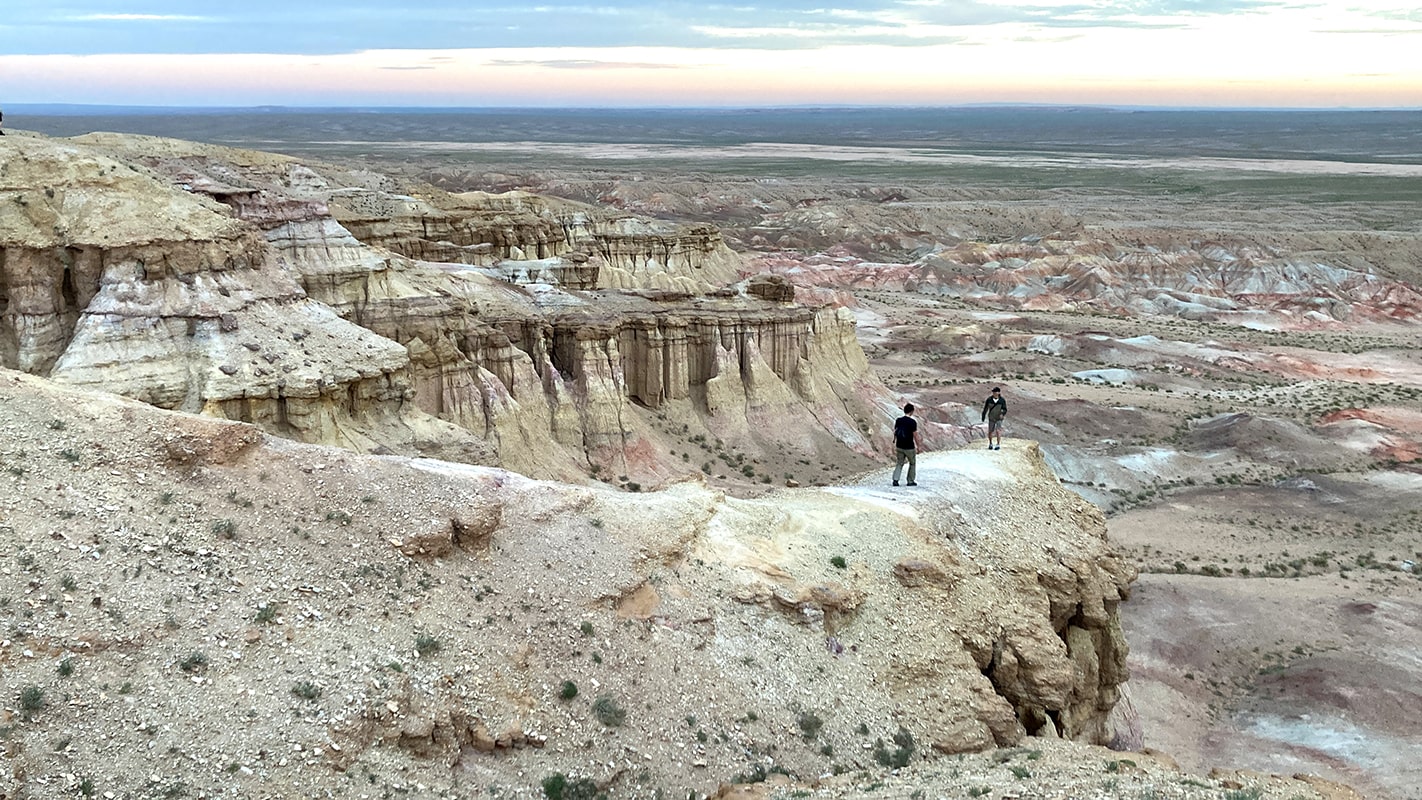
325 27
139 18
582 63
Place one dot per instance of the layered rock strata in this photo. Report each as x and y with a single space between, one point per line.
114 280
1233 281
481 229
206 279
425 618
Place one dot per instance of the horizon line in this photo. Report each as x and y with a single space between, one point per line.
270 108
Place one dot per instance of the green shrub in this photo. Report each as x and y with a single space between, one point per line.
559 787
569 691
810 724
608 712
306 690
193 662
31 700
427 645
900 755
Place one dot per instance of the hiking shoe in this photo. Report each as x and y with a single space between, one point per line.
896 483
911 483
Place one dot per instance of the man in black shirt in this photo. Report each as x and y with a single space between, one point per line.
906 445
994 412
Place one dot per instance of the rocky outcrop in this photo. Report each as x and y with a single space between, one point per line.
1271 265
571 244
207 279
424 615
1219 280
112 279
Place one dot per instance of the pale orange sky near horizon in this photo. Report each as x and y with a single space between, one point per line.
1298 58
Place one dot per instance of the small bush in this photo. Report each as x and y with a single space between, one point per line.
266 613
306 690
193 662
608 712
900 755
427 645
586 628
225 528
569 690
31 700
66 667
810 724
559 787
838 562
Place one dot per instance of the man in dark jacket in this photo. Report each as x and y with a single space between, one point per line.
906 445
994 412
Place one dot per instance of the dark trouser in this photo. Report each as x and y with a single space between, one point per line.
900 456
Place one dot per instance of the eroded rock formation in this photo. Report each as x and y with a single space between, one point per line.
253 287
432 620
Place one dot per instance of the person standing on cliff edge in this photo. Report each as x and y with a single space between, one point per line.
907 443
994 412
2 122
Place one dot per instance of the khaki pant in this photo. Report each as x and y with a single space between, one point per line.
911 456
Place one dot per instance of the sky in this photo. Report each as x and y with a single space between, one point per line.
631 53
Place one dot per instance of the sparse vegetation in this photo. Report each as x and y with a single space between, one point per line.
195 661
810 724
899 756
608 712
427 645
559 787
306 690
32 700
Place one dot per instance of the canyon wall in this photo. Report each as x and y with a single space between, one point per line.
253 287
423 619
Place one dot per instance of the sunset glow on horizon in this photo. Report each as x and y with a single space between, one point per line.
1238 53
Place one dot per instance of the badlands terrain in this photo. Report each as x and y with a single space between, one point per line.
1206 329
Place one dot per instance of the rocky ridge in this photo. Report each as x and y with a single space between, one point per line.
199 605
1281 267
252 298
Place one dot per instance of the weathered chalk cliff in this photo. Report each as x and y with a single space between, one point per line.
208 279
428 621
